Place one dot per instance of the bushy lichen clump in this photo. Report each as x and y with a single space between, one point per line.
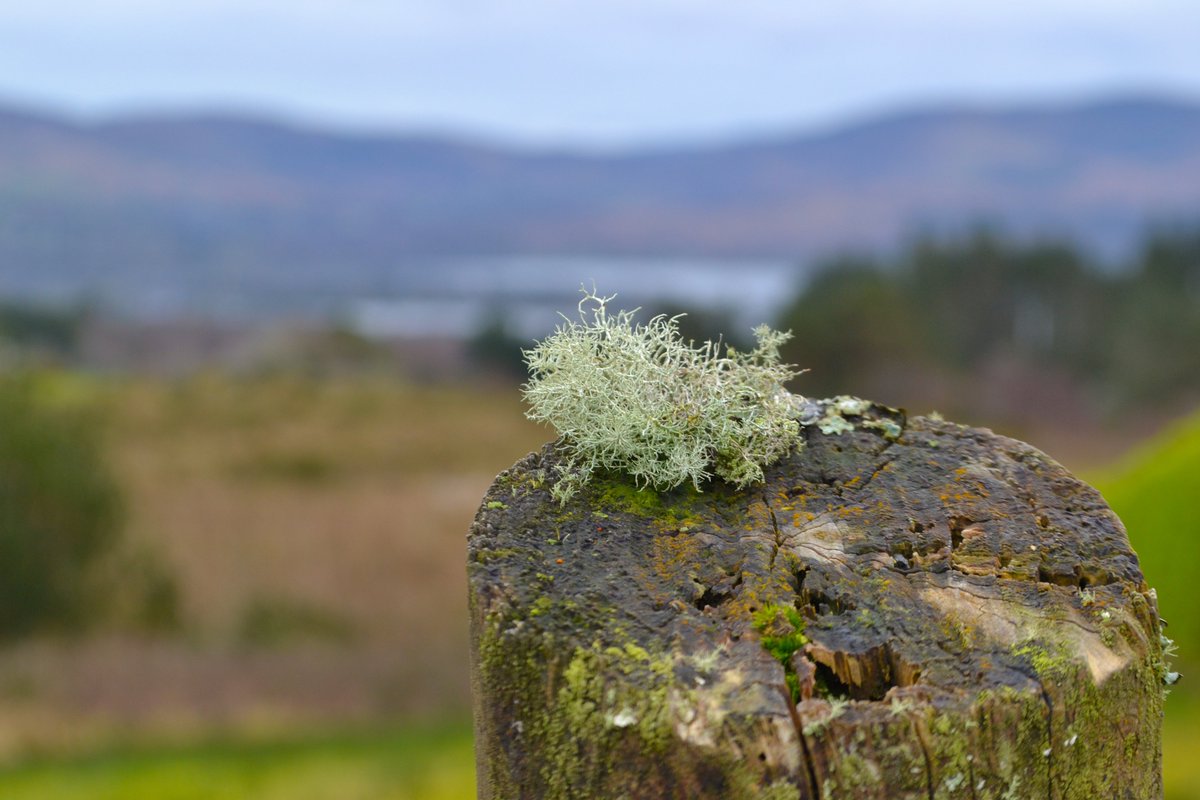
638 399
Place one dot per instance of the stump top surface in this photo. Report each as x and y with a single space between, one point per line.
924 544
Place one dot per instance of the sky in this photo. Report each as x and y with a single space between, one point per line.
605 73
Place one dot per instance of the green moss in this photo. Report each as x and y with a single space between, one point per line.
542 605
782 631
521 482
561 728
592 700
856 773
1078 732
496 504
954 746
497 554
780 790
1051 662
619 493
680 508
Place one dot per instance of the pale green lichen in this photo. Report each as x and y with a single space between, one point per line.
638 399
834 425
889 428
850 406
837 706
834 422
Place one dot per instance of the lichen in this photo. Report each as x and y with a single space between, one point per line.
833 424
830 417
638 399
889 428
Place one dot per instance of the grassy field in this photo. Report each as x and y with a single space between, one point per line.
1154 491
316 530
1181 743
420 764
415 764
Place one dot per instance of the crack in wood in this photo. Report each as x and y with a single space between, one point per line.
810 769
925 752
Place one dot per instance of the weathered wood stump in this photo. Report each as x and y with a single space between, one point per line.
906 609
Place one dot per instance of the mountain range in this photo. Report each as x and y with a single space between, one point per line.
226 199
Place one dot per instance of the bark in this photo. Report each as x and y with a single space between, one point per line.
906 609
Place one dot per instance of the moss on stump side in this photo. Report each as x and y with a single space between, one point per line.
907 608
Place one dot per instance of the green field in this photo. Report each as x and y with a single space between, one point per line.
418 764
433 763
1154 491
1181 743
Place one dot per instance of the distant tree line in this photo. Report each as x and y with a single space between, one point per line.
985 322
42 329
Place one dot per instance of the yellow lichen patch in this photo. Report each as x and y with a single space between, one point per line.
759 590
759 516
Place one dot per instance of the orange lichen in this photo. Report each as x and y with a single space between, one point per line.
676 556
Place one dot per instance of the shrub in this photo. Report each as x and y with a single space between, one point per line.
275 621
59 511
496 350
639 399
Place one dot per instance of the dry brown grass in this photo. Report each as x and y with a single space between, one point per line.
353 498
346 502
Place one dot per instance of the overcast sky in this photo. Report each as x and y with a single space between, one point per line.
609 72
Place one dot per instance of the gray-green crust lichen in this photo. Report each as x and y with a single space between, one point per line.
906 608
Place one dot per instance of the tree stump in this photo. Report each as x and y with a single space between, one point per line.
907 608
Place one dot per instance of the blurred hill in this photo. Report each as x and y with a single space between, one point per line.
233 200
